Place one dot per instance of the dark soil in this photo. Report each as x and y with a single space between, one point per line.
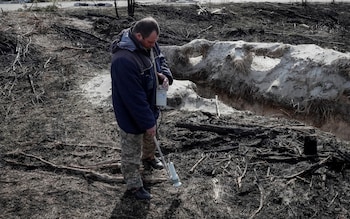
59 154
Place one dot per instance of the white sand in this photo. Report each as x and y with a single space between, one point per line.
295 74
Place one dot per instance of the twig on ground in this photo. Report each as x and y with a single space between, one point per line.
343 155
222 149
302 179
17 59
76 48
27 47
12 85
85 172
217 106
104 164
5 181
8 110
47 62
299 150
204 30
333 199
197 163
286 113
239 179
268 171
30 77
37 97
57 144
312 168
292 210
261 204
29 32
228 163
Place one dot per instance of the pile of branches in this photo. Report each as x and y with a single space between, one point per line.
22 65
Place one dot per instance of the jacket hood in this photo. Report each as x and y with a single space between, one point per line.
124 40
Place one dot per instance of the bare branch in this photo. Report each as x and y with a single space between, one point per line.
197 163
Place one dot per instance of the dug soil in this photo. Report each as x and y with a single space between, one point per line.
59 153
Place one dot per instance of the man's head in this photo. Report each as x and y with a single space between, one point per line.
146 32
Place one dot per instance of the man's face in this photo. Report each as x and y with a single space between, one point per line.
149 41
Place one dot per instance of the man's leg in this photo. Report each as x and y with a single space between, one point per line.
148 147
130 158
148 153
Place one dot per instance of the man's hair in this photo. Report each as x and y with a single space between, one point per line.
146 26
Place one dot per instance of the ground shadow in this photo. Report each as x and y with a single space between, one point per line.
129 207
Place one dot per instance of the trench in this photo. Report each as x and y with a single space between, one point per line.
333 123
98 89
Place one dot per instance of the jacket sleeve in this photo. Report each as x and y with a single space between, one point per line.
163 66
130 93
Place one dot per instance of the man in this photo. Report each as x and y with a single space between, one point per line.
138 66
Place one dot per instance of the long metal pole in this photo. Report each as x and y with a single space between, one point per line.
162 156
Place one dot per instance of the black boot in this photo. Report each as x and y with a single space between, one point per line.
152 163
140 193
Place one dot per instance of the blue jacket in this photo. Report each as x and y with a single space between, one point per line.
134 83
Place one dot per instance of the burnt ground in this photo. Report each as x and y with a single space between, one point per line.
60 154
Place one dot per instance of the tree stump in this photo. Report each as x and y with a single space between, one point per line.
310 145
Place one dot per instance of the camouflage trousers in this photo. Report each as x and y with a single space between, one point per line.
133 147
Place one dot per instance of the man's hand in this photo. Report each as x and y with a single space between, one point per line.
152 131
165 83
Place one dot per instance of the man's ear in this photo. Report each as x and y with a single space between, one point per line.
138 36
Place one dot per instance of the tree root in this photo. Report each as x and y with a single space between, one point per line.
85 171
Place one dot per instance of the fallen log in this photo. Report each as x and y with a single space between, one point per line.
222 130
282 158
223 149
